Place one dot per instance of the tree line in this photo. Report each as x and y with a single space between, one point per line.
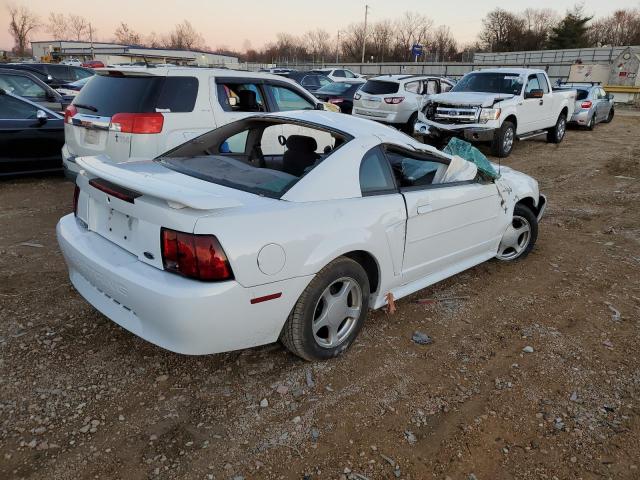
388 40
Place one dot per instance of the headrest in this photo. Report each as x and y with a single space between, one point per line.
302 143
247 97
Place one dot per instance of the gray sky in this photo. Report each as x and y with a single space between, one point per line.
232 23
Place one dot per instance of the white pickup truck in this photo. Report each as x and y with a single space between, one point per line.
499 106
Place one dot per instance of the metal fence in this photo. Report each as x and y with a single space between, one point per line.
557 63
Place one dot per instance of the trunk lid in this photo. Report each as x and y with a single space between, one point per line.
129 203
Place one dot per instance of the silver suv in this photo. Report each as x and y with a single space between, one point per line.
396 99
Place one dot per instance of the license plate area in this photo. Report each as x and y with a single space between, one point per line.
114 225
91 136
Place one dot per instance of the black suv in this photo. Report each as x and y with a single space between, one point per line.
54 74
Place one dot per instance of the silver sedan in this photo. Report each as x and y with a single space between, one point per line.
593 105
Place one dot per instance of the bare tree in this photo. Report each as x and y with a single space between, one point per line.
125 35
443 45
317 44
620 28
539 24
380 40
411 29
22 22
79 27
185 37
502 31
57 25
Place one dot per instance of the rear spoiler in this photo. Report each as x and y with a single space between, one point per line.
177 196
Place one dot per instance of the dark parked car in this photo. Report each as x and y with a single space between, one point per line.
31 136
340 94
24 84
55 74
43 77
310 81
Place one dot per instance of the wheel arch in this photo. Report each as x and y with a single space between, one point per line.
513 119
531 203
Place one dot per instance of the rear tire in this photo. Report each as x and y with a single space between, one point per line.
556 133
503 140
521 235
330 312
408 127
592 122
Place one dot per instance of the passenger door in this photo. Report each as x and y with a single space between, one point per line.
532 112
26 143
450 226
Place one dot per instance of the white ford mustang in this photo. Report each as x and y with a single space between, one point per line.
218 245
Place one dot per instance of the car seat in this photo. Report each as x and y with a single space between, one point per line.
248 101
300 155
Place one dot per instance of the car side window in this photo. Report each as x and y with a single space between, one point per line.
324 81
532 84
23 86
287 99
413 171
542 81
375 176
412 87
445 87
14 109
61 72
80 73
310 81
430 87
178 94
236 143
240 97
349 74
339 73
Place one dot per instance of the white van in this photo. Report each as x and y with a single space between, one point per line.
142 112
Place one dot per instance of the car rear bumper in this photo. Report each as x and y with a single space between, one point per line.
581 117
383 116
178 314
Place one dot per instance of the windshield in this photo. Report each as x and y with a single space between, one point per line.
490 82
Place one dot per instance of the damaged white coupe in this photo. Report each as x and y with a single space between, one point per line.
285 227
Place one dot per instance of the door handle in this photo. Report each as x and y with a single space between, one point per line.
541 101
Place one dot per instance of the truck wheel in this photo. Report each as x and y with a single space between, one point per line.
503 139
330 312
556 134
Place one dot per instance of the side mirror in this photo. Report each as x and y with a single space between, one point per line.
535 93
320 106
42 117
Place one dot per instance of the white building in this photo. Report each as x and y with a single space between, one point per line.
112 53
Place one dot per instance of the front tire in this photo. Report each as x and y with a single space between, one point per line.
556 134
330 312
521 235
503 141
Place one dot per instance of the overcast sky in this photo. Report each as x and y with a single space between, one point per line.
232 23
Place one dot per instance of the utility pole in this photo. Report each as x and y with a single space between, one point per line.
91 39
338 47
364 35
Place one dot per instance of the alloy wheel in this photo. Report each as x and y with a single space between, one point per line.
516 239
337 312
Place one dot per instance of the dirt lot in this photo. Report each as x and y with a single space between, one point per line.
82 398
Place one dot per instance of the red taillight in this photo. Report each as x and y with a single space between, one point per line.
76 194
586 104
393 100
194 256
137 122
69 113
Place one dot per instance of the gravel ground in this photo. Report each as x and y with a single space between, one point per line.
533 372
